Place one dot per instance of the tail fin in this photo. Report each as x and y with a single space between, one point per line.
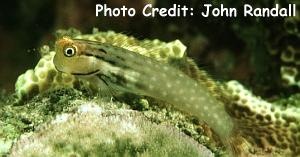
237 145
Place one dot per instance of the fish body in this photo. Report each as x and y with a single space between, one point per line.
131 72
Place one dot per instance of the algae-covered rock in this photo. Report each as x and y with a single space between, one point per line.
94 131
30 127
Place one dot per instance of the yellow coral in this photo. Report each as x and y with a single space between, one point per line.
290 73
44 76
265 125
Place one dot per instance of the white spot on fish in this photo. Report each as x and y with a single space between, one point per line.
151 87
165 68
153 78
164 75
215 116
205 108
180 91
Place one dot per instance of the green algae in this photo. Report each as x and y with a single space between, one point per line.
99 132
25 119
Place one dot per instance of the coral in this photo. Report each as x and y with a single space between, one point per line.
266 125
260 40
290 70
283 44
94 131
44 76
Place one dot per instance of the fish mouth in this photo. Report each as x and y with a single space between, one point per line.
88 73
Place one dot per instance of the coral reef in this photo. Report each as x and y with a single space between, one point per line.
261 53
42 77
268 127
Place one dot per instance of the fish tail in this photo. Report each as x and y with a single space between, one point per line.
237 145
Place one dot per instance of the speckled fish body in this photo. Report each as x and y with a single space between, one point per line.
131 72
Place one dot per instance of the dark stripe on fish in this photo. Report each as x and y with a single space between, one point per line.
89 73
101 58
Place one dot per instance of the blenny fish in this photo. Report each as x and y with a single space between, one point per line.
128 71
234 117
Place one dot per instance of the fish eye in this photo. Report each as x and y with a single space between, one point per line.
70 51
